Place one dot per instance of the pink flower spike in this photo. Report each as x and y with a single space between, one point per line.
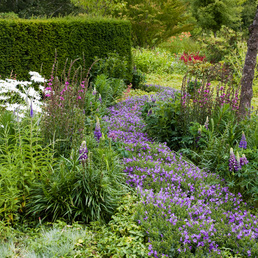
61 98
48 88
79 97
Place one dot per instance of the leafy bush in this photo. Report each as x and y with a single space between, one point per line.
80 188
23 160
163 121
109 88
148 61
113 66
217 48
181 43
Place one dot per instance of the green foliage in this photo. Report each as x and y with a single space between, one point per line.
35 8
122 236
30 45
247 15
23 160
217 48
181 43
82 192
147 60
113 66
109 88
235 59
9 15
213 14
98 8
153 23
138 78
163 122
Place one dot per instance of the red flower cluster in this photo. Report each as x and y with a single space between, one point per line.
192 57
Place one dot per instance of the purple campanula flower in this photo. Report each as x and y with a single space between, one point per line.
100 99
243 143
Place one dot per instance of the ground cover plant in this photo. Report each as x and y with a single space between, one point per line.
184 210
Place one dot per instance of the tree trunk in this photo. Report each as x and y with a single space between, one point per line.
248 70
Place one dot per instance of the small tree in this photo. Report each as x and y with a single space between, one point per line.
155 21
248 70
212 14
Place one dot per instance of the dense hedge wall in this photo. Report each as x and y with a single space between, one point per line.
29 45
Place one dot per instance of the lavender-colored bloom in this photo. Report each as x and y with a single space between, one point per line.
83 152
97 132
94 92
232 161
31 110
100 99
243 160
200 225
243 143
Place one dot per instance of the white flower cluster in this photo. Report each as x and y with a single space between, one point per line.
19 96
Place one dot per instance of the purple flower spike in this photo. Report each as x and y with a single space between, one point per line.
94 92
97 132
243 160
83 152
31 110
243 143
232 161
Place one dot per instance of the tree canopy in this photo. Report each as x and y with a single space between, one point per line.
212 14
28 8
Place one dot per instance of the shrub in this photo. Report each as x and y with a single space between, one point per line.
30 44
216 48
187 58
113 66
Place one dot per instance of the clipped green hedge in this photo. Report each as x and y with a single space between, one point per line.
29 45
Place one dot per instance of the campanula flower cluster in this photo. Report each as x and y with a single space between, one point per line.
184 210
